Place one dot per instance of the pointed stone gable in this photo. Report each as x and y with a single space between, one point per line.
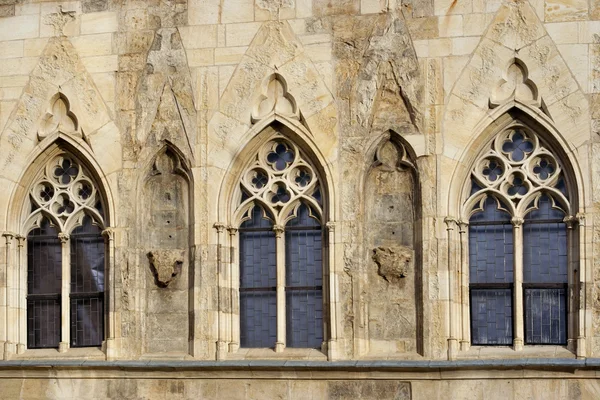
389 61
516 35
274 50
165 95
59 70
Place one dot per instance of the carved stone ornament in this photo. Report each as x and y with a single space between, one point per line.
515 85
59 118
275 99
393 262
166 265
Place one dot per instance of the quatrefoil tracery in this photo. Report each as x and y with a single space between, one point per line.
518 166
279 178
65 192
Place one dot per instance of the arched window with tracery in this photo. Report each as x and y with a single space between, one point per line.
520 240
280 214
65 257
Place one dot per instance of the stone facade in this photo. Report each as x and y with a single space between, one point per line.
391 106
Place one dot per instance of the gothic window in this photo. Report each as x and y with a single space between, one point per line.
518 243
65 258
281 250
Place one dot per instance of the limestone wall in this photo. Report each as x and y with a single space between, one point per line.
390 101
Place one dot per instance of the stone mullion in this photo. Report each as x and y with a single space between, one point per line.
281 322
21 293
334 303
464 286
583 317
110 319
518 311
8 327
65 336
451 281
222 334
233 290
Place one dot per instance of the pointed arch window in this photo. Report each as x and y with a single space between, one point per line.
280 249
65 257
520 232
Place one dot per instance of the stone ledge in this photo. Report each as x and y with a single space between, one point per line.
281 365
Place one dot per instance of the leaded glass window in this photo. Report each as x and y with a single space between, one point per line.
280 249
518 211
65 234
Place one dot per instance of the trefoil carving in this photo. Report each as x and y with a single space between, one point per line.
59 118
275 99
516 85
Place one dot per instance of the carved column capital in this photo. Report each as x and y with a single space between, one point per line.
20 240
220 227
450 222
9 236
108 233
462 226
331 226
580 218
570 221
278 229
517 221
64 237
232 230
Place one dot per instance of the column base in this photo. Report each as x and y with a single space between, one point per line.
452 349
9 349
581 348
21 348
110 349
518 344
221 350
63 347
465 345
333 350
279 347
234 347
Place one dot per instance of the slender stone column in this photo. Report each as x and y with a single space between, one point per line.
110 320
281 327
221 286
451 224
519 327
10 327
65 338
465 339
233 288
21 293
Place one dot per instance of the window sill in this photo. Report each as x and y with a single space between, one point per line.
270 354
78 353
529 351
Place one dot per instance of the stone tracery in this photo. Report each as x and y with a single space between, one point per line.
64 191
517 169
279 176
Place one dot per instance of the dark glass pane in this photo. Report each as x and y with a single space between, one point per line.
545 253
304 280
43 322
87 320
44 265
304 318
258 281
87 285
44 275
491 316
490 246
87 258
545 316
258 321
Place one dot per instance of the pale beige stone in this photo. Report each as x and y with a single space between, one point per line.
576 57
563 32
559 10
237 11
475 24
229 55
199 37
101 63
451 25
204 12
34 47
11 49
99 22
464 45
240 34
20 27
201 57
93 45
27 9
445 7
371 6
